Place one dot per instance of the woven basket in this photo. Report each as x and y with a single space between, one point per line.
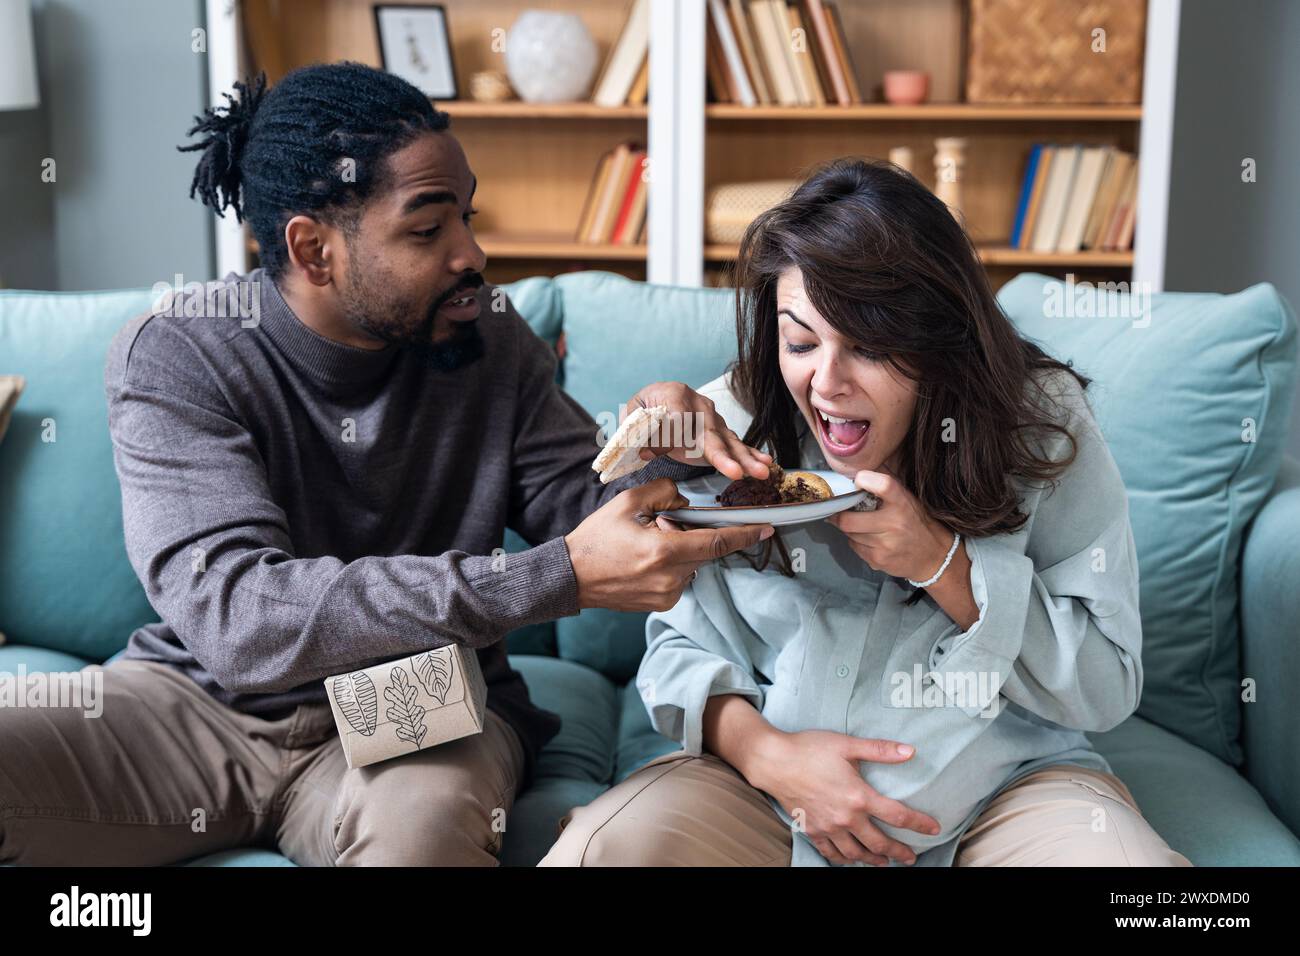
730 208
1041 51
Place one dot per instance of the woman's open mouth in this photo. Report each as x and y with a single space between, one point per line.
842 437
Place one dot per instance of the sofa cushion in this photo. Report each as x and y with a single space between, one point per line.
37 660
621 335
246 856
588 707
575 766
537 300
1201 805
612 642
1193 397
1270 653
65 582
534 822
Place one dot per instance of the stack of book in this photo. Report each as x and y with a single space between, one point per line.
625 78
1077 197
785 52
615 210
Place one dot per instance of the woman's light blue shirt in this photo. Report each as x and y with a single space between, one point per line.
1056 649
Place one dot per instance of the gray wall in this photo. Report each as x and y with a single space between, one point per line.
119 87
1238 96
27 258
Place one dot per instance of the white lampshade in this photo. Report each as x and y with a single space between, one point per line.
18 88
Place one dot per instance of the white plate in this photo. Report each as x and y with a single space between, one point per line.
705 510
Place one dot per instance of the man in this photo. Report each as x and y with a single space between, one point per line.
321 489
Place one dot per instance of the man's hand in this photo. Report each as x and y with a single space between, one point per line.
625 561
695 434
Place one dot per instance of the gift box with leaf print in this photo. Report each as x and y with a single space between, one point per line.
408 705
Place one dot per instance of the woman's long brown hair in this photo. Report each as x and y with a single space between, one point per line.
890 269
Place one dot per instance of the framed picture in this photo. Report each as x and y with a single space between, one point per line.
415 44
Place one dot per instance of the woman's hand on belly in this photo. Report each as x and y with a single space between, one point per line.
814 775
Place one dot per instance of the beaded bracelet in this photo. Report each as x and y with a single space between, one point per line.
956 540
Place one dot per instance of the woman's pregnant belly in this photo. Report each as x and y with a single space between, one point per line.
959 761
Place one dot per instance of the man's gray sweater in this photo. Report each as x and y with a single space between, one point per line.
296 507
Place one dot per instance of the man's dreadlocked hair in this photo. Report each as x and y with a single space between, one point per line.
272 155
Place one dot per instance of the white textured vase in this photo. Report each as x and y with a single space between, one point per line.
550 57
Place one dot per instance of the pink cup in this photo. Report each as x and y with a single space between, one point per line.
907 87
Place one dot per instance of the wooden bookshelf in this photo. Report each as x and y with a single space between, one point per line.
555 246
925 113
514 110
994 255
1054 261
751 143
535 162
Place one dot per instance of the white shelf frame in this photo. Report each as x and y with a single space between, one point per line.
1156 143
224 42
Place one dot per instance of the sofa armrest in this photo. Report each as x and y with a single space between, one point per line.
1270 616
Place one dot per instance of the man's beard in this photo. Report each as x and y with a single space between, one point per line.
464 347
373 313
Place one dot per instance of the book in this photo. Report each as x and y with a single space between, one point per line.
1103 183
743 91
1092 160
593 193
1026 190
842 52
624 62
1125 239
715 69
1045 157
641 88
803 58
1056 194
771 44
741 26
631 217
611 191
780 32
633 187
1107 198
1116 226
828 64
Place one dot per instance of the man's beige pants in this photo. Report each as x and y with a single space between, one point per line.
167 773
681 810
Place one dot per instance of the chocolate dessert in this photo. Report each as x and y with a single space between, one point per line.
778 488
748 492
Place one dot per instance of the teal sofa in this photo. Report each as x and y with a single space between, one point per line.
1192 392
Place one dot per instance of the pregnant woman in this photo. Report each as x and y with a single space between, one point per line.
911 684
